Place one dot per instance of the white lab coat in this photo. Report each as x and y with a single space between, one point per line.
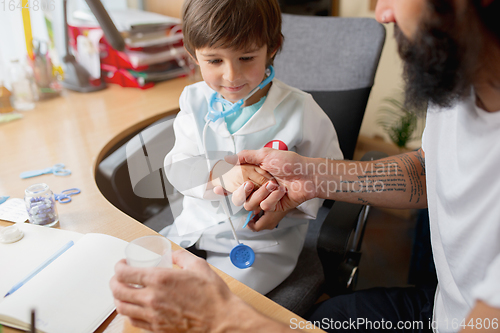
288 115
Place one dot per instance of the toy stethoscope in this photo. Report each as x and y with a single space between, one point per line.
242 256
214 115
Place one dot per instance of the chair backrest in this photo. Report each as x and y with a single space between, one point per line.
334 59
132 177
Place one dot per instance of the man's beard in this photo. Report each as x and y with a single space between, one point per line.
437 68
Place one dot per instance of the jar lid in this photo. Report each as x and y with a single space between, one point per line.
11 234
37 190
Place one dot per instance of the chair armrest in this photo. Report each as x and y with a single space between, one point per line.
338 256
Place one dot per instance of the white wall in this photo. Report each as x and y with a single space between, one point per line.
12 44
12 41
388 80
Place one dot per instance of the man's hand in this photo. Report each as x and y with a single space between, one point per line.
233 176
288 169
191 299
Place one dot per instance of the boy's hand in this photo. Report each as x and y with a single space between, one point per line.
265 221
233 176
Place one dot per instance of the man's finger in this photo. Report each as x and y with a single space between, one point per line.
219 190
241 194
249 157
251 225
267 221
131 275
271 201
137 315
264 173
260 179
126 293
141 324
254 200
232 159
255 217
182 258
188 261
131 310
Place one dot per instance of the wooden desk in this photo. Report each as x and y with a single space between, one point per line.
78 130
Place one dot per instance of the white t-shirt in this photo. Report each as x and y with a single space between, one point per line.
462 156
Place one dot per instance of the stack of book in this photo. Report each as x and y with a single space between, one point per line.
154 49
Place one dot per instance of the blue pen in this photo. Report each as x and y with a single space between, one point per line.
40 268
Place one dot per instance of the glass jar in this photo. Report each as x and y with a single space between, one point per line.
24 90
41 205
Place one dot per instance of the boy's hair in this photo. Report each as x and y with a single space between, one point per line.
235 24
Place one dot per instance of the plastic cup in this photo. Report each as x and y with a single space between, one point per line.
149 251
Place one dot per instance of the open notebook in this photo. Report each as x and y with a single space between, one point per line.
72 293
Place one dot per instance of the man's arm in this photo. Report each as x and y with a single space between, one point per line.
394 182
191 299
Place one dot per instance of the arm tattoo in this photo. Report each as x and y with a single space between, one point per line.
421 159
417 187
398 174
383 176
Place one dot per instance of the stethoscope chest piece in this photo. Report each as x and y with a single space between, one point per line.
242 256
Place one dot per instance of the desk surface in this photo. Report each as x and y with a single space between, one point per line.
77 130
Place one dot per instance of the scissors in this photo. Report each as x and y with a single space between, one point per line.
64 196
57 169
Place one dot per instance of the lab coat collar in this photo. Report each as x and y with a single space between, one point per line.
262 119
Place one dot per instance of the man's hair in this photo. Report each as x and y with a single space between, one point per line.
238 24
485 16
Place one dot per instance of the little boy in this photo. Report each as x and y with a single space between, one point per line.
234 42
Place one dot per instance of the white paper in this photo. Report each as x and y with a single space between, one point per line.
71 294
19 259
14 210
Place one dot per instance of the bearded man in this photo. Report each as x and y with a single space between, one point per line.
451 53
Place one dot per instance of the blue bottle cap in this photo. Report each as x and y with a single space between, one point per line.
242 256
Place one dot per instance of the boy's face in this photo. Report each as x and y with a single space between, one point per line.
233 73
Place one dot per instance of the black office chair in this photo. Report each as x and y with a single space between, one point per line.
132 178
334 59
